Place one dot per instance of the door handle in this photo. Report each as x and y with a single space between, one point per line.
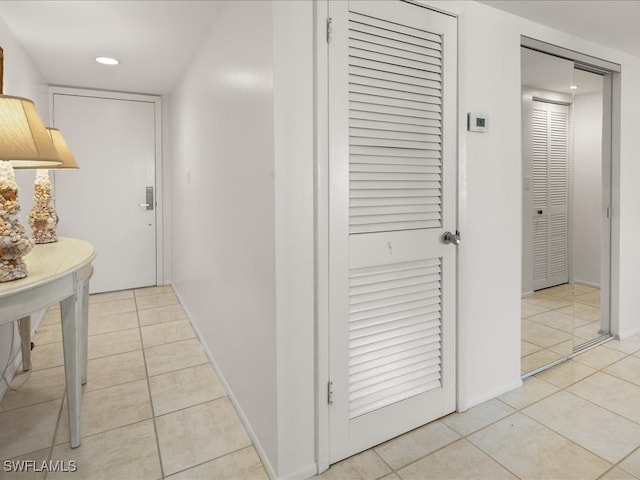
453 238
149 199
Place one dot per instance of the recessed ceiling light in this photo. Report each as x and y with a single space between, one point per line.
107 60
573 87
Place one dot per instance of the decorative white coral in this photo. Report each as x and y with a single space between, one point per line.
14 244
43 218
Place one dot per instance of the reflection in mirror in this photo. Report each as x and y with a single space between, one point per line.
562 209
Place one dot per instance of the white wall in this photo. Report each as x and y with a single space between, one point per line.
21 79
223 207
587 192
242 236
490 208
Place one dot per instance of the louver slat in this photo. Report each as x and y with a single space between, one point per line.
540 164
558 245
394 333
558 174
395 120
403 33
540 250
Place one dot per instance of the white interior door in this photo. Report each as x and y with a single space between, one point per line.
550 192
114 142
392 127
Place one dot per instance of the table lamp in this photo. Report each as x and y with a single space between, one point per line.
43 218
24 143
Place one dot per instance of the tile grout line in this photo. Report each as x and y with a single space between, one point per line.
55 432
146 370
218 458
573 442
565 389
181 409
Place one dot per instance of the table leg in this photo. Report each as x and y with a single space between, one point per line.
24 327
72 344
85 331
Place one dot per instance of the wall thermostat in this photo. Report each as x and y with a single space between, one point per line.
477 122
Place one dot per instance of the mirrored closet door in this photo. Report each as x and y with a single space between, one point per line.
565 251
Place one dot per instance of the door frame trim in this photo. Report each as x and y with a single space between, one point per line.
159 193
321 140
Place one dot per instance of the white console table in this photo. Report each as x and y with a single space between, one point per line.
57 272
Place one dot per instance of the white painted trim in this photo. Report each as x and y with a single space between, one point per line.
627 334
236 405
159 190
614 233
321 140
472 402
577 281
306 472
579 58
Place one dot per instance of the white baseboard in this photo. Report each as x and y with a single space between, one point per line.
474 401
627 334
306 472
236 405
585 283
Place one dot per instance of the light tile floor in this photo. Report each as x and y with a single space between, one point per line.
578 420
153 408
556 319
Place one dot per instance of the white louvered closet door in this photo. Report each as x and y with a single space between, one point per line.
392 81
550 186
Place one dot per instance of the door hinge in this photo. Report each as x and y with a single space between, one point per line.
329 30
330 393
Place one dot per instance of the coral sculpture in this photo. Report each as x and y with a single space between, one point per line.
14 244
43 218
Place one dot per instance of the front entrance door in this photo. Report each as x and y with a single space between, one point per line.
114 142
392 162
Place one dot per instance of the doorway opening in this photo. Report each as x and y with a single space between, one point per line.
566 209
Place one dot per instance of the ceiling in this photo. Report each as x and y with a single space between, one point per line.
156 40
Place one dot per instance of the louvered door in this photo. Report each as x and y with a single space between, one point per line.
550 188
392 195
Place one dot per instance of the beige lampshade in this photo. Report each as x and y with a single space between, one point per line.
24 141
68 160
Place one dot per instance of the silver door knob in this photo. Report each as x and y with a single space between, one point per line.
449 237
